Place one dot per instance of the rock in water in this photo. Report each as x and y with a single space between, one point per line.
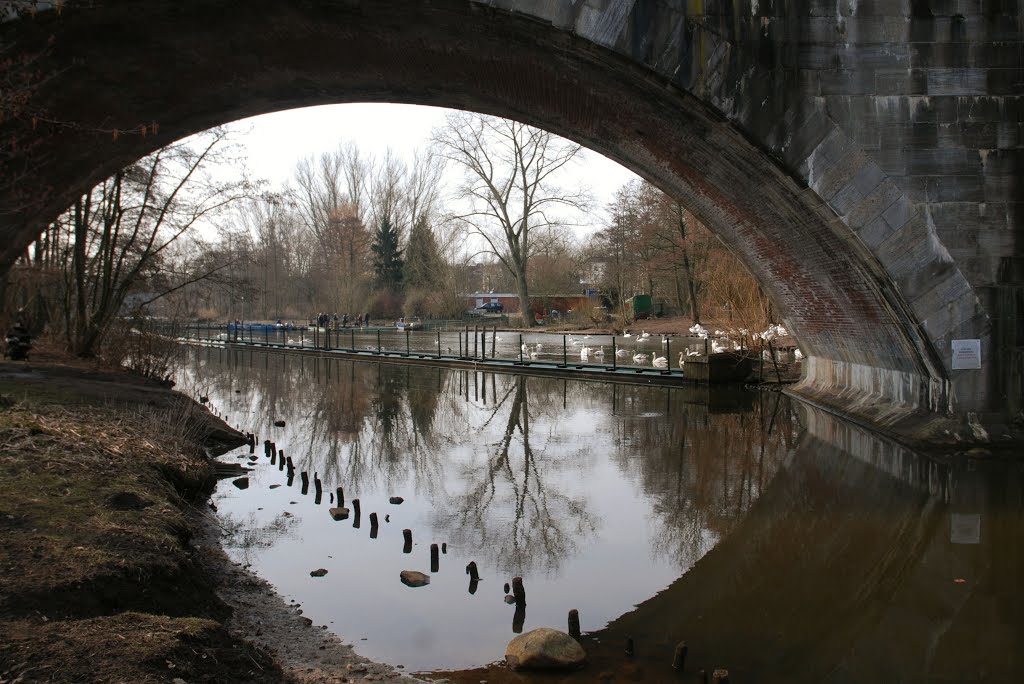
241 483
396 500
544 648
412 578
279 423
319 572
339 513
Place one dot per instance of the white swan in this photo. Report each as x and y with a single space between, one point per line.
621 353
584 353
599 353
660 362
640 358
627 334
525 348
682 359
534 353
644 334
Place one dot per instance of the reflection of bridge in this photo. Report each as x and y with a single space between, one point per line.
863 160
842 573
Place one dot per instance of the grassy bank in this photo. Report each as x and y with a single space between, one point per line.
99 476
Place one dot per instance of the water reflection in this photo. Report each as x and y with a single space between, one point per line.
777 541
505 508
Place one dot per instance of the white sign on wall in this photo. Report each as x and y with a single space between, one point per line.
966 354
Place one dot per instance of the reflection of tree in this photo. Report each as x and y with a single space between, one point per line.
702 469
246 536
512 482
352 422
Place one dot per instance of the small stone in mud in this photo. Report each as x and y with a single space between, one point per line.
339 513
413 578
241 483
319 572
396 500
278 423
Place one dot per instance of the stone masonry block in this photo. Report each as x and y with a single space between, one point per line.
873 204
957 81
875 233
898 213
906 250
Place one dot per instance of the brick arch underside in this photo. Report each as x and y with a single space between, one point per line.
192 65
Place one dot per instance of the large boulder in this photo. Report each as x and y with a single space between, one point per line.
544 648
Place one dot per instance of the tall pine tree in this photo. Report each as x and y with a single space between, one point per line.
387 256
424 267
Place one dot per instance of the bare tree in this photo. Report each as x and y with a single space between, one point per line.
387 193
513 200
423 187
121 230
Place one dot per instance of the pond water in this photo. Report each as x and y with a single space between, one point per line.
773 538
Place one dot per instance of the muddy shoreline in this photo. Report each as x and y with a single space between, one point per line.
307 653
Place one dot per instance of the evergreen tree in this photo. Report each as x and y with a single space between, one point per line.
387 256
424 267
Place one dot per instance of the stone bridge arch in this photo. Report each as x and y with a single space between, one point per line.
860 158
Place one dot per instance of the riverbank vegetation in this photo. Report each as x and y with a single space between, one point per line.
102 474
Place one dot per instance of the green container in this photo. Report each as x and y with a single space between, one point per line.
638 307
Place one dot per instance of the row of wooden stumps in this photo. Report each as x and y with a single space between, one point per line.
718 676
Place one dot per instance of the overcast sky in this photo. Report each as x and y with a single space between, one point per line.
274 142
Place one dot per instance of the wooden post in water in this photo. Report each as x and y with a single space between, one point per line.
341 497
520 347
518 618
317 485
679 656
438 343
407 536
435 559
574 623
565 353
494 341
614 358
483 342
471 570
406 341
305 481
356 513
518 591
378 340
373 525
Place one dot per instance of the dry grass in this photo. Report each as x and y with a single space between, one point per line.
98 477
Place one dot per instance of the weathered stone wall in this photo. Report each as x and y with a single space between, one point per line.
861 158
904 117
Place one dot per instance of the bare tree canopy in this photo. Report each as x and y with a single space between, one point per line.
510 187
